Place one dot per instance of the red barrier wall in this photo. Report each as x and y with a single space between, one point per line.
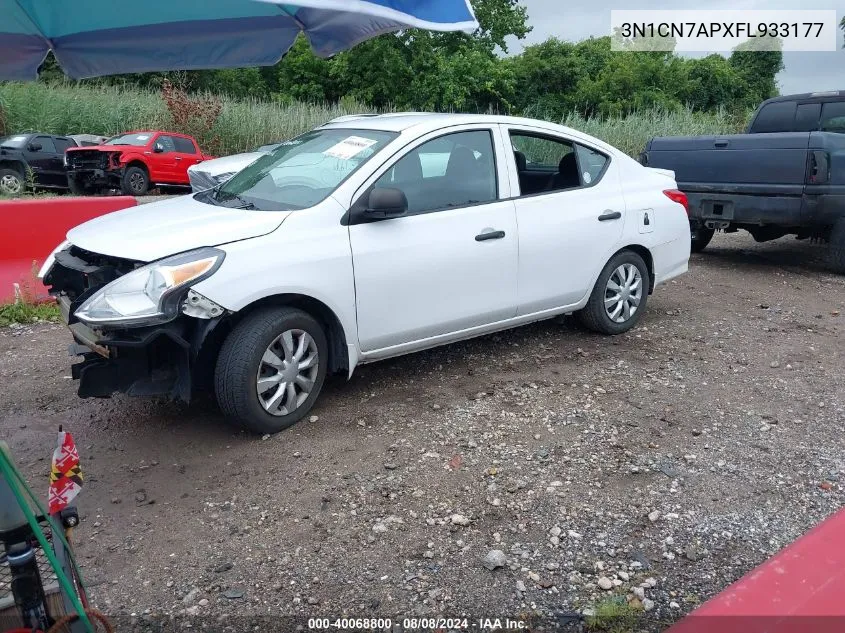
798 590
31 229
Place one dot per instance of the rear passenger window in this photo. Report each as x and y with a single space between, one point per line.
547 164
776 117
833 117
62 144
807 117
183 145
591 163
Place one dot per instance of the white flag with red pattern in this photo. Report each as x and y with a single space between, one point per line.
65 474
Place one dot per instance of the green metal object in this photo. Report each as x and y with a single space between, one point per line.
26 500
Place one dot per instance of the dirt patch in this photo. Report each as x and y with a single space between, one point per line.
666 462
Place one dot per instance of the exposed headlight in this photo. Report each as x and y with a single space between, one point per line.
150 294
51 259
221 178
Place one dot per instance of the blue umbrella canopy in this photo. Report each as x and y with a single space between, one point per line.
91 38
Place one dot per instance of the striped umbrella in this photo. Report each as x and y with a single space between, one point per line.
91 38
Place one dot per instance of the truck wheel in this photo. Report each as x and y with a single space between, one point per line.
271 368
836 253
619 296
136 182
11 183
701 238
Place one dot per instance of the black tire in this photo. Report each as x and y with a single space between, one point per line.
836 248
594 316
701 238
136 181
240 362
12 182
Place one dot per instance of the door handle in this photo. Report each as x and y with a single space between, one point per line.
721 143
177 158
489 235
609 215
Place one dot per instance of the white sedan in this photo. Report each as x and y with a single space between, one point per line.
361 240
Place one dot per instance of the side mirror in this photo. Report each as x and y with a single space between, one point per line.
158 148
386 203
35 147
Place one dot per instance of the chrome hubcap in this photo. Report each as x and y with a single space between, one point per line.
287 372
10 184
623 293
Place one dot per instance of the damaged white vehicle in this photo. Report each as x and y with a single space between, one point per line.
358 241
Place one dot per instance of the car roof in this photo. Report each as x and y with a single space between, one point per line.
808 96
423 122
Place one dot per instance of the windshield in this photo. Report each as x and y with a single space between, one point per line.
303 171
138 140
13 141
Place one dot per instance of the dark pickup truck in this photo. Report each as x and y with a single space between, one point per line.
771 185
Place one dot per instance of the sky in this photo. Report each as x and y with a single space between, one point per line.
575 20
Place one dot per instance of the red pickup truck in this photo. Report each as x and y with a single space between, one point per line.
133 162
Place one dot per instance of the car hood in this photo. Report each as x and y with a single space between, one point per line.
152 231
226 164
105 148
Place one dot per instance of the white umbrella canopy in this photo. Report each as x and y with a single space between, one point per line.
92 38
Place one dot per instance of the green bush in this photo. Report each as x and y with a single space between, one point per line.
246 124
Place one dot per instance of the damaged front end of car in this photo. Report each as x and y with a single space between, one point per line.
139 327
93 168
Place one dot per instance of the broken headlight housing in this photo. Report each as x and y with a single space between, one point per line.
151 294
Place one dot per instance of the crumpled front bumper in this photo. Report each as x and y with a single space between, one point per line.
145 361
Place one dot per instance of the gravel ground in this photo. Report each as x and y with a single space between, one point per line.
658 466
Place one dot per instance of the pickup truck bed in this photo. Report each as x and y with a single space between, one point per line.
768 184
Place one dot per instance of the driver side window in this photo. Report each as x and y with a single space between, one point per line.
455 170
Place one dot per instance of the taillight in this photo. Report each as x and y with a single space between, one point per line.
678 196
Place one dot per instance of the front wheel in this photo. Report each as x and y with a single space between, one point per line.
136 182
11 183
271 369
619 296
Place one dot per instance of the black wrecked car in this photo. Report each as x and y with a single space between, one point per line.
33 160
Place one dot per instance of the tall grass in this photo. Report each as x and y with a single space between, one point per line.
243 125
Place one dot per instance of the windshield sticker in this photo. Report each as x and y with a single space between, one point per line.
349 147
587 177
143 137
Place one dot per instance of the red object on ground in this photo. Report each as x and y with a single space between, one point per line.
798 590
31 229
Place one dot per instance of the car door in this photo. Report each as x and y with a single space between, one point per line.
186 155
449 264
42 159
570 212
162 162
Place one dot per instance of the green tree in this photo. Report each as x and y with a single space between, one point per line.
757 63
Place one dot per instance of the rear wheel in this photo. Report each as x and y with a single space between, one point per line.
11 182
136 181
701 238
271 369
836 254
619 296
